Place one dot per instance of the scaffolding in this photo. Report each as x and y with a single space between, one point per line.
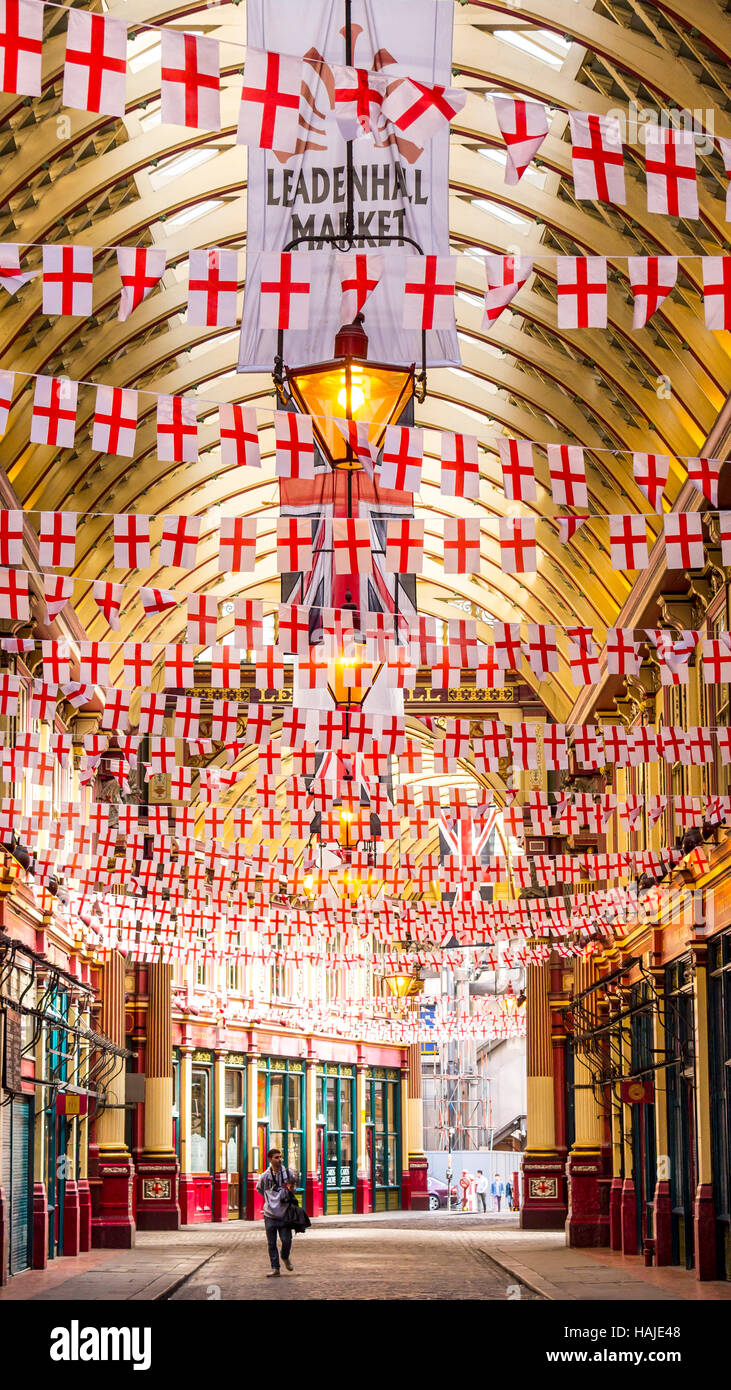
457 1103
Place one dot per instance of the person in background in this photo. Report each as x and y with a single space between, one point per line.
508 1195
497 1191
275 1185
481 1186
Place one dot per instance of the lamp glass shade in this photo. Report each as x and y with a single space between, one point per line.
350 389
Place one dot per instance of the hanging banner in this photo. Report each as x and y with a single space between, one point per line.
401 191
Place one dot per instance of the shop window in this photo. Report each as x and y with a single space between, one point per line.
200 1137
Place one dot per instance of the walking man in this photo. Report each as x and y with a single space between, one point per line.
497 1191
481 1190
274 1185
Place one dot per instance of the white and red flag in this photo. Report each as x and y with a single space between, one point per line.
115 421
651 278
684 541
179 666
360 273
294 545
404 547
358 98
461 545
704 474
717 291
131 542
295 445
670 171
213 282
650 473
429 292
11 538
540 649
140 270
524 127
674 650
460 471
567 472
108 599
356 435
158 600
504 276
190 81
12 278
53 420
516 460
139 659
725 146
517 544
57 540
402 459
14 595
724 526
239 436
568 527
94 663
237 544
68 277
285 289
270 101
596 158
21 45
583 656
177 429
95 66
202 619
628 542
180 535
57 590
623 652
419 111
351 546
581 286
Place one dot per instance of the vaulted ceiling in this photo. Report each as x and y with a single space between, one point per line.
70 176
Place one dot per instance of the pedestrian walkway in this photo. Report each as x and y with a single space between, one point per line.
395 1255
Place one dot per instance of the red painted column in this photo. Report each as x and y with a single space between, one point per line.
84 1215
113 1224
542 1205
40 1226
586 1223
71 1218
417 1195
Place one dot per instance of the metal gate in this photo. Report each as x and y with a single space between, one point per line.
17 1180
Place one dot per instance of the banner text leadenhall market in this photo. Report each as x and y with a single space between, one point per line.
373 184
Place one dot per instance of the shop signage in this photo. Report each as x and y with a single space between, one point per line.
637 1092
12 1053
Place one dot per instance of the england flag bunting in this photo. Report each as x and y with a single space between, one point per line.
402 459
652 278
237 544
95 66
108 599
115 421
516 460
57 590
418 111
202 619
132 542
567 472
179 544
11 277
57 540
725 146
67 280
190 85
270 101
674 650
295 445
21 44
359 273
11 538
239 436
628 542
684 541
717 291
356 435
504 276
140 270
650 472
285 289
158 600
294 548
358 98
139 659
460 469
177 429
670 171
404 547
524 127
581 287
461 545
724 526
351 546
704 474
517 544
568 526
213 282
540 649
596 158
429 292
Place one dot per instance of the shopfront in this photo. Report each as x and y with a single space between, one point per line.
281 1112
719 1038
680 1083
383 1118
336 1136
235 1134
201 1147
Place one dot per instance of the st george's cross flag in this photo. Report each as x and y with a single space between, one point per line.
581 287
461 545
57 590
459 475
358 96
11 537
12 278
53 420
21 45
516 461
402 459
57 540
179 543
67 280
239 435
108 599
404 546
140 270
237 544
190 81
213 284
596 158
717 292
131 541
517 544
295 445
14 594
270 101
524 127
567 472
651 278
650 472
419 111
704 474
684 541
429 292
670 171
115 421
360 273
177 429
285 289
504 276
628 542
95 66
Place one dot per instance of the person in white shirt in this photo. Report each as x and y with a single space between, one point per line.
481 1188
